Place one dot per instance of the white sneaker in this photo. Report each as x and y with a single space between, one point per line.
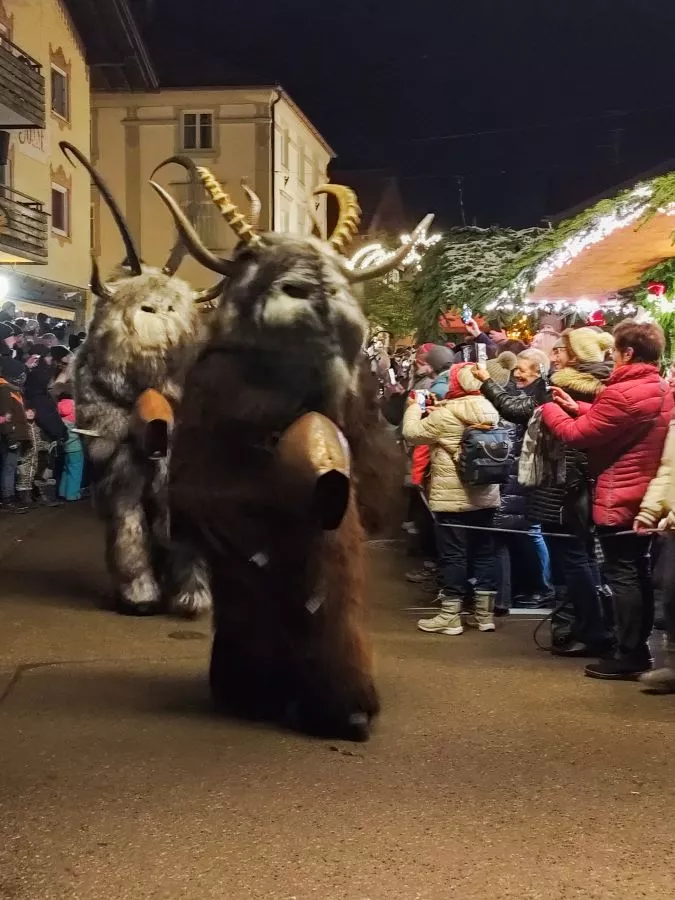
448 621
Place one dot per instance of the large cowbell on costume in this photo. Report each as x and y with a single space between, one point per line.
128 377
277 439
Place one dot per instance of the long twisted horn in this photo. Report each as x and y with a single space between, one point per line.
349 217
237 222
253 217
133 258
179 249
395 261
192 240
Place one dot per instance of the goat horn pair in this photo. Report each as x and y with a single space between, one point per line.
245 230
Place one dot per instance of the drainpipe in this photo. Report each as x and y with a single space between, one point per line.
273 160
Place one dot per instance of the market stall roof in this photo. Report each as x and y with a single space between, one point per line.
614 264
599 251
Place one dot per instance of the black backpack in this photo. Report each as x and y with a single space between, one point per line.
485 456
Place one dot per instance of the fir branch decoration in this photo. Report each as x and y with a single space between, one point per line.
460 270
517 277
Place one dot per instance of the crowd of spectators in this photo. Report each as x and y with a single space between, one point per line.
41 456
578 519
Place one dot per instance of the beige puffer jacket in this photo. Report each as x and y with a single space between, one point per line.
658 504
442 430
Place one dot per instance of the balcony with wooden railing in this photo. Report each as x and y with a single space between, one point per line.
24 228
22 88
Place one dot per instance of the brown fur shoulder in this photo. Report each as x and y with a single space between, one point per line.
378 460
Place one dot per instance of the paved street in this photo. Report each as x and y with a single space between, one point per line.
495 771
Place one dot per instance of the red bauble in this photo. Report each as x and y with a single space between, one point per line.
657 288
597 317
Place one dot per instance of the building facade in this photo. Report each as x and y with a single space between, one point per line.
50 51
256 134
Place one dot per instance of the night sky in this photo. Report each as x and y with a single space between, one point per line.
574 96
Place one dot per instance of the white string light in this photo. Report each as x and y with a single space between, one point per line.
629 210
376 254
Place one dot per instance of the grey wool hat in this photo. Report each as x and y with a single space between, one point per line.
500 369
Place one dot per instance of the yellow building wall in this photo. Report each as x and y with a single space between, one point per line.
43 29
132 133
301 162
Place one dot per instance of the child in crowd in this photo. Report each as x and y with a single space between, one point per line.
70 484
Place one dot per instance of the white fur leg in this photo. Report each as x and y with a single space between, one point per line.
143 591
194 600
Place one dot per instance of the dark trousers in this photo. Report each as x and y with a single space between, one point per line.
628 572
575 559
457 545
664 581
9 461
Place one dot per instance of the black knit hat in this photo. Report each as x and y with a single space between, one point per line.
59 352
13 370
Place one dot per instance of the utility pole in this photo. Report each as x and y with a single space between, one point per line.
460 197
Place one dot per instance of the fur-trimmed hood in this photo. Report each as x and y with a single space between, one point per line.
587 381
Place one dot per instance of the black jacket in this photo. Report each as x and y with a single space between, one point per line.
516 408
37 397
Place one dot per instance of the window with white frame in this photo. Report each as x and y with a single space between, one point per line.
60 210
301 163
59 80
197 130
285 145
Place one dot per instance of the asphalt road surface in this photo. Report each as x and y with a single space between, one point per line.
495 771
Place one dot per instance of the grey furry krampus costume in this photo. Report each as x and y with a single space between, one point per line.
286 342
140 342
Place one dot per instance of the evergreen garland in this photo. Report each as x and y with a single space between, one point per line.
524 266
460 270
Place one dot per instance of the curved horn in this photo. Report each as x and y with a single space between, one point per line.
97 286
395 261
237 222
132 253
179 249
256 205
212 293
192 240
349 217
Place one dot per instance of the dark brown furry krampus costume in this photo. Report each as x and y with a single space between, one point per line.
142 337
287 339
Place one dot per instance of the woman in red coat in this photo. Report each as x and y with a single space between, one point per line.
624 431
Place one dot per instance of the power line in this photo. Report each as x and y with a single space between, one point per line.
609 114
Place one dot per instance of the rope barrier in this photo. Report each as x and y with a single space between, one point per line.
543 533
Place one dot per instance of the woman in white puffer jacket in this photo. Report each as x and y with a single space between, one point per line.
657 510
454 503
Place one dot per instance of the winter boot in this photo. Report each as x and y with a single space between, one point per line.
448 621
483 617
47 492
662 680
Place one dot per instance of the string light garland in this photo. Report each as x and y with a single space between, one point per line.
376 253
631 209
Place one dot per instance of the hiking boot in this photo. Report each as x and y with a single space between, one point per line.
483 617
448 621
13 506
622 668
662 681
421 576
